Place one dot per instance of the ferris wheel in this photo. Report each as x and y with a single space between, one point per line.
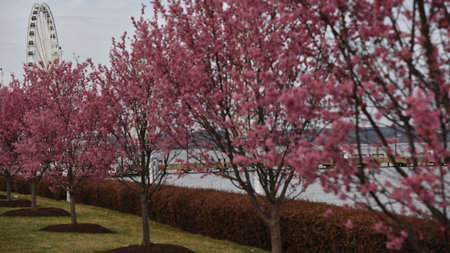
42 39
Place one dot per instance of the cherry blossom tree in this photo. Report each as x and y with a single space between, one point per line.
394 58
67 134
34 156
231 72
35 148
129 102
12 111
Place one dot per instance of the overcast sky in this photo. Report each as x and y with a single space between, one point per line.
85 29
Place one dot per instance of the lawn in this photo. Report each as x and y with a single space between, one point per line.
21 234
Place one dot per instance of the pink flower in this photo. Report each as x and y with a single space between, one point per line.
349 224
395 243
380 227
239 159
327 213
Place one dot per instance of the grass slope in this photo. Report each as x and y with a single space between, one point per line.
20 234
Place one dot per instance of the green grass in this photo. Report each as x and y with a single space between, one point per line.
21 234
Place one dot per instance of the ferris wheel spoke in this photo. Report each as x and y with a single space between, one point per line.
42 43
42 47
39 47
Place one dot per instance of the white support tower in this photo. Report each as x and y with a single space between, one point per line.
154 170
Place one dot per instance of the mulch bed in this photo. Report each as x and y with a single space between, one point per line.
153 248
16 203
37 212
77 228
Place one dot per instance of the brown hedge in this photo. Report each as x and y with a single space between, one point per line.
20 185
230 216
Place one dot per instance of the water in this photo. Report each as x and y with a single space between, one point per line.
314 192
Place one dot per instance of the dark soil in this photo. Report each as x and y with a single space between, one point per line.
37 212
2 197
153 248
16 203
77 228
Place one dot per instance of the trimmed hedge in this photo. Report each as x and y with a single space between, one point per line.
22 186
230 216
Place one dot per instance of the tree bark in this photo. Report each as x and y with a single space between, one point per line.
145 223
73 215
33 194
275 232
8 188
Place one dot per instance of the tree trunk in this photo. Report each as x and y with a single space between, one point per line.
275 233
8 188
73 215
145 224
33 194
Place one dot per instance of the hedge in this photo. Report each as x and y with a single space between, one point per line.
20 185
229 216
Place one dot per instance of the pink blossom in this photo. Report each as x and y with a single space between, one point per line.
327 213
349 224
395 243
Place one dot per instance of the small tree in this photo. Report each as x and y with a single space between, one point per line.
65 135
36 148
229 71
37 136
131 106
12 111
